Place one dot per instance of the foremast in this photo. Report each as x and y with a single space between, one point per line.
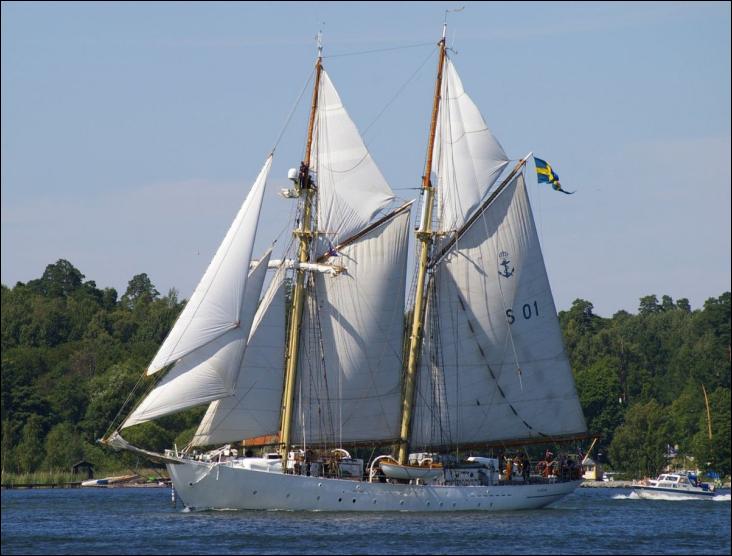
424 238
305 235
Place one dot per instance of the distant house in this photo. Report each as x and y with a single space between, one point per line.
83 467
592 470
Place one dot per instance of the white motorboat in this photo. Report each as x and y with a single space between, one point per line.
674 486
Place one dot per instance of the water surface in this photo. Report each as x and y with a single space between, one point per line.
143 521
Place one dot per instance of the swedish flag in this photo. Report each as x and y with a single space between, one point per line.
548 175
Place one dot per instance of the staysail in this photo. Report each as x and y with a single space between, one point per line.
467 157
493 365
348 387
254 409
208 340
216 304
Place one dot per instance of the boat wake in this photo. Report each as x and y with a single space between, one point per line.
631 496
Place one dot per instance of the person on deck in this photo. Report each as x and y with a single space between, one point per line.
525 467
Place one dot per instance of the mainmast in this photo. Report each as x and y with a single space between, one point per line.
424 237
305 234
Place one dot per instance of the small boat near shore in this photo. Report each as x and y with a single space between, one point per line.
674 486
108 480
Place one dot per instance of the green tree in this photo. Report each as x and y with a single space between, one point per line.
714 453
600 395
58 280
30 452
685 412
64 447
139 290
639 445
649 305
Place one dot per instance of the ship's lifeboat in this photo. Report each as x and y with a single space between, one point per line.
426 471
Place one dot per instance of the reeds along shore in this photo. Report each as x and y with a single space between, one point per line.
66 479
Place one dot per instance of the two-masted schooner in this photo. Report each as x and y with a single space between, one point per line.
331 356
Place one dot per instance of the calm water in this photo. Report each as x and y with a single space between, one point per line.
143 521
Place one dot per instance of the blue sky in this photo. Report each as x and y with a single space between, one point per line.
131 132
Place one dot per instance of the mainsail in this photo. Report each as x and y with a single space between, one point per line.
493 365
349 382
208 340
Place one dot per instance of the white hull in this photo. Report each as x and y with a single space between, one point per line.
222 486
650 493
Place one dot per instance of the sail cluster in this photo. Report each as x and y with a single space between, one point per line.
353 320
492 364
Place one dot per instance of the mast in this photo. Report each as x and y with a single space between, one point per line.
424 237
709 415
304 233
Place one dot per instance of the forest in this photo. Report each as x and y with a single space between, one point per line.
72 353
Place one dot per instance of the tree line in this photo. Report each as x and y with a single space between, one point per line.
72 353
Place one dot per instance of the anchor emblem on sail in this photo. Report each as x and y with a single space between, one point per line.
505 262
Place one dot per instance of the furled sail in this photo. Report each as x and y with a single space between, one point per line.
493 364
350 364
467 157
217 302
254 409
209 371
351 188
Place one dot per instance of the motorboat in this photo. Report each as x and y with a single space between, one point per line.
674 485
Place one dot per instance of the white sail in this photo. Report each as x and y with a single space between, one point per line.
254 409
351 189
208 373
494 366
350 367
215 307
206 347
467 157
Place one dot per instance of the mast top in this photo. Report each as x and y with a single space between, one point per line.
319 40
444 23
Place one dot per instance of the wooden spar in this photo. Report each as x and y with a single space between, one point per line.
517 442
424 236
587 455
273 440
305 235
709 414
367 229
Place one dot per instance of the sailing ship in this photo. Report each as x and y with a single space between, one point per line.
333 356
